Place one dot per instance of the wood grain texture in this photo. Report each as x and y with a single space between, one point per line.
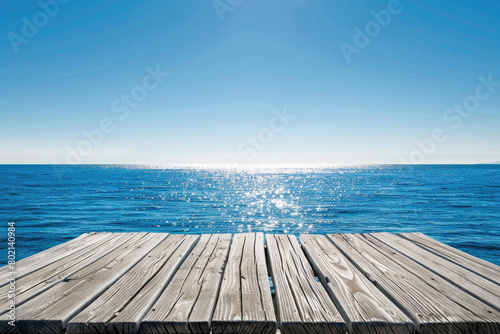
40 260
64 300
122 282
435 305
303 304
31 285
245 303
135 311
148 274
365 308
479 266
479 287
188 302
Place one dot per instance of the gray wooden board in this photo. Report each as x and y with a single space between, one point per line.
476 285
432 302
245 303
152 273
479 266
303 304
133 313
50 311
33 284
111 282
188 302
31 263
365 308
40 260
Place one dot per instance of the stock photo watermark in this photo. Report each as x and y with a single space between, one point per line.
454 117
223 6
121 108
31 26
371 30
252 145
11 274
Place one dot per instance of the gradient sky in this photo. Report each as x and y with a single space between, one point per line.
229 77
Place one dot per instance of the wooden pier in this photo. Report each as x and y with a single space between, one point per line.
250 283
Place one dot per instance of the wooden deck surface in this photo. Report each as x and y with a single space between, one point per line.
251 283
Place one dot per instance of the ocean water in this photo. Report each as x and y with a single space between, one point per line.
456 204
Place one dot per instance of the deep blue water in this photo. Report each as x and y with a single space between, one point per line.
456 204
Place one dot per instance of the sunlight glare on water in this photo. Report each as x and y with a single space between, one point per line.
454 204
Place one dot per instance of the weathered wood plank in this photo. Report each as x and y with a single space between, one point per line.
135 311
151 274
479 287
303 304
479 266
188 302
50 311
365 308
245 304
40 260
229 305
31 285
435 305
110 283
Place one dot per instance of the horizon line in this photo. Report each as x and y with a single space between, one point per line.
246 166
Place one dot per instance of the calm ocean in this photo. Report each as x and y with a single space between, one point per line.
456 204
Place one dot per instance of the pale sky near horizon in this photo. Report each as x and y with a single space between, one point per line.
256 82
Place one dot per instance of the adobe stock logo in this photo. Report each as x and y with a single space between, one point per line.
254 144
121 109
373 28
454 116
223 6
31 27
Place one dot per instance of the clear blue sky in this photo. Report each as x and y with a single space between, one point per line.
232 68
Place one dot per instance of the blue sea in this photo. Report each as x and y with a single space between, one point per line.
456 204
